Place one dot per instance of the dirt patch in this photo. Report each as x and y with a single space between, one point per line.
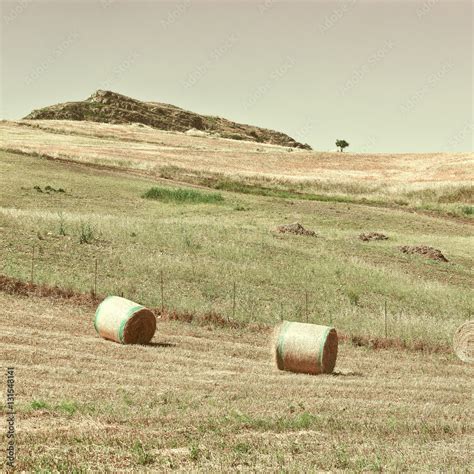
367 237
424 251
14 286
295 228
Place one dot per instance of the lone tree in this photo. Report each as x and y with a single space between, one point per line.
341 144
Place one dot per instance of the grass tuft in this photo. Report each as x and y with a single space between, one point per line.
180 195
39 405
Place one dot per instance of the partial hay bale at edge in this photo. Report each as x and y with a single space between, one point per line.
305 348
124 321
463 342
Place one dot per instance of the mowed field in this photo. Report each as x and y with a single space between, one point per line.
210 399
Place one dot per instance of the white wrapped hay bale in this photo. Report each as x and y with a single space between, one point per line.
124 321
305 348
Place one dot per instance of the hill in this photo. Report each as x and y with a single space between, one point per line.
110 107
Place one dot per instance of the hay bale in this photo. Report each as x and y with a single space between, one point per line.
463 342
305 348
124 321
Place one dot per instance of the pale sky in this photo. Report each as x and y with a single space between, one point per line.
387 76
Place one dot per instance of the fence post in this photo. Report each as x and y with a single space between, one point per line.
233 302
385 316
306 304
162 292
32 276
95 278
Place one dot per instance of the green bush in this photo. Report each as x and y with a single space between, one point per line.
181 195
86 234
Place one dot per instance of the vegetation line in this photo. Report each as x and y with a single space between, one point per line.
229 185
14 286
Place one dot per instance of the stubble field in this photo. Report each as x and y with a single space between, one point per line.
210 399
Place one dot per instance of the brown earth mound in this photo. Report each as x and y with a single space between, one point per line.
372 236
110 107
295 228
424 251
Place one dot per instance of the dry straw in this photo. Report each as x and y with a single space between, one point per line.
305 348
124 321
463 342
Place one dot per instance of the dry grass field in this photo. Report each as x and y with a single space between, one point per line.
210 399
206 396
202 249
434 181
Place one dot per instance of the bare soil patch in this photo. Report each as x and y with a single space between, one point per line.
366 237
296 228
425 251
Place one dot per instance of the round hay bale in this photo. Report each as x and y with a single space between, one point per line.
305 348
463 342
124 321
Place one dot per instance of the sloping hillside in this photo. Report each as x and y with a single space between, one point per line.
434 181
110 107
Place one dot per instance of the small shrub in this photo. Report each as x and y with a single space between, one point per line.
354 297
38 188
242 448
69 407
38 404
194 452
86 234
467 210
180 195
62 226
142 456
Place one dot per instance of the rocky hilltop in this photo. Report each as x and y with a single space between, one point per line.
110 107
